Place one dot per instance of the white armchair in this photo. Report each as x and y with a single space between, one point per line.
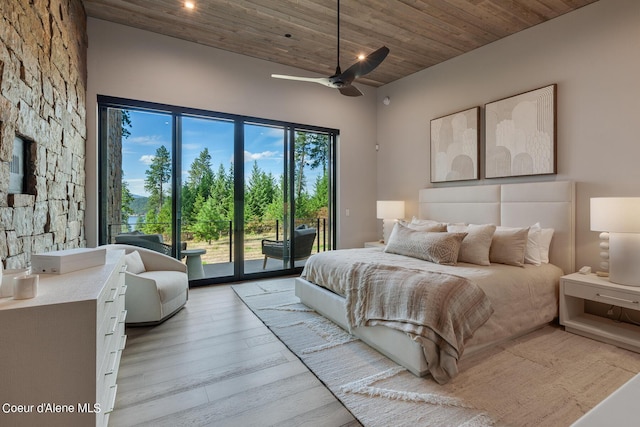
158 292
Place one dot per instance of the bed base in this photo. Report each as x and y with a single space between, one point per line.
396 345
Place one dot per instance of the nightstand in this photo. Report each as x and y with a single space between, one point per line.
577 288
376 244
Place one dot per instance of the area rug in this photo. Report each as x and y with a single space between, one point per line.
546 378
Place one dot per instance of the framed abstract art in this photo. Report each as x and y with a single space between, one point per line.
520 134
455 146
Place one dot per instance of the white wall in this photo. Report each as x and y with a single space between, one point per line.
130 63
593 54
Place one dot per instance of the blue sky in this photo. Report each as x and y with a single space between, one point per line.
149 131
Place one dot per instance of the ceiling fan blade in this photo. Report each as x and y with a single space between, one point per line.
322 80
342 81
350 91
365 66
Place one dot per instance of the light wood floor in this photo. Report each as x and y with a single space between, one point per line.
215 363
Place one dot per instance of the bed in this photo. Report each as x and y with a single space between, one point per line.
521 298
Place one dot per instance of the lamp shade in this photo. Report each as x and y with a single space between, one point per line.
615 214
390 209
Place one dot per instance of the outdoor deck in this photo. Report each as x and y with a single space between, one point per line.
250 266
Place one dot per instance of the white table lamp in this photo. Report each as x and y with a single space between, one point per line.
389 211
620 216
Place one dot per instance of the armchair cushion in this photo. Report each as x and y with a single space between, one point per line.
170 284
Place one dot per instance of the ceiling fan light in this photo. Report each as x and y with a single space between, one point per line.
342 80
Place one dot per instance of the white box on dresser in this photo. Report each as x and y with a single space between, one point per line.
66 261
60 351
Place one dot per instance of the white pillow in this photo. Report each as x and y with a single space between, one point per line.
532 253
546 235
134 263
475 247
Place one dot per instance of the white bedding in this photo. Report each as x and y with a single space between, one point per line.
522 297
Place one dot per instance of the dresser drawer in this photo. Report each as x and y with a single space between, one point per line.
108 340
604 295
110 293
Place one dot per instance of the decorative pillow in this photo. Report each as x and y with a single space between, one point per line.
546 234
441 248
475 247
134 263
508 246
532 253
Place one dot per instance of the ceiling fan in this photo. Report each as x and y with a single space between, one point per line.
342 81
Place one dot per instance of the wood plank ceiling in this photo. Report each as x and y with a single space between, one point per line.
302 33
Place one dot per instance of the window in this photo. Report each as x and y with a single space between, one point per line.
171 181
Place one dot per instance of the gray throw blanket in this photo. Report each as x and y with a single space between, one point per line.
438 310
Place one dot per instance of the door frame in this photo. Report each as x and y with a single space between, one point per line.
176 112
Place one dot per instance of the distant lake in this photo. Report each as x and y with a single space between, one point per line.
133 220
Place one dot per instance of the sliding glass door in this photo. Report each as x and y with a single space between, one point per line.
266 214
232 197
137 174
207 195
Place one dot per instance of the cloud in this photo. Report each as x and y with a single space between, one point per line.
249 157
136 186
155 140
274 132
147 159
192 147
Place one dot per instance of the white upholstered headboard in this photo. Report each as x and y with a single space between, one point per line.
552 204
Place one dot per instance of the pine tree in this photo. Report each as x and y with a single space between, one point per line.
259 193
198 183
158 174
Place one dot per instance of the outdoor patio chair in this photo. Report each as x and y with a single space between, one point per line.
303 239
148 241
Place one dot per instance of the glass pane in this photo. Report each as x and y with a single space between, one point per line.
207 196
265 205
139 164
311 194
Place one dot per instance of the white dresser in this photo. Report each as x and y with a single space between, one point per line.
60 351
620 409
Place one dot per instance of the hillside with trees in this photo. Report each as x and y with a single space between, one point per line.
207 195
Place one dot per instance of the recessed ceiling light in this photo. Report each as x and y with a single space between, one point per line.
361 56
189 5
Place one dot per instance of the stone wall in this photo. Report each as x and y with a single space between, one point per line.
43 45
113 209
